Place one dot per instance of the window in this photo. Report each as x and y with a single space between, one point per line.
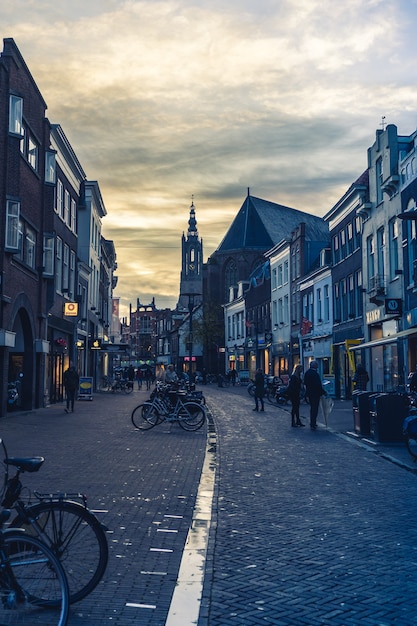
359 296
379 179
319 306
370 251
343 300
351 297
343 243
286 310
65 268
350 238
286 277
58 265
29 247
336 253
279 275
60 198
280 311
15 115
71 285
326 304
381 252
30 149
274 278
67 199
26 251
393 247
50 167
337 304
48 254
33 153
358 228
12 225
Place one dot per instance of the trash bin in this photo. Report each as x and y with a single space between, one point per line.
387 413
361 412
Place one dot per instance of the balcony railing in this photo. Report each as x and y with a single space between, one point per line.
377 285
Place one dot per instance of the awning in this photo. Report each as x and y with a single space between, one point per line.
384 340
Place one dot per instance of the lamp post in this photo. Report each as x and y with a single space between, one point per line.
190 346
191 305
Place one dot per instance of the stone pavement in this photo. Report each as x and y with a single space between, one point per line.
306 528
309 527
142 485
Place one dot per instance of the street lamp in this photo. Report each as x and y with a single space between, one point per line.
191 304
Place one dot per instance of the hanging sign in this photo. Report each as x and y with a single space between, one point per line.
71 309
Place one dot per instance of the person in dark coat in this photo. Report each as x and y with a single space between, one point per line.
259 389
314 391
71 382
360 378
293 391
412 379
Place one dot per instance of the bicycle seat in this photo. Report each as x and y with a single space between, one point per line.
27 464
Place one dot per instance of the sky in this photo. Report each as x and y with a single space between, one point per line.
169 102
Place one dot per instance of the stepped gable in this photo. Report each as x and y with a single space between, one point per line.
261 224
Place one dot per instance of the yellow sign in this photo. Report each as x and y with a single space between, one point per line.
71 309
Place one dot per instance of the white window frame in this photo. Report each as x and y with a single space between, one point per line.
48 255
29 250
16 115
50 167
12 225
58 265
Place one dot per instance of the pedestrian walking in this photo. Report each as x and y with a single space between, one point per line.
233 376
71 382
361 378
314 391
294 391
139 378
259 389
148 377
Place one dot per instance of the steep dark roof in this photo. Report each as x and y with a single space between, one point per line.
261 224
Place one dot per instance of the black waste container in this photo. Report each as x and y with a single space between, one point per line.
361 412
387 413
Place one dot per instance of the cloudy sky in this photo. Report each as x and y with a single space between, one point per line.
163 101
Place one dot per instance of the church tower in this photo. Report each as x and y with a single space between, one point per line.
191 281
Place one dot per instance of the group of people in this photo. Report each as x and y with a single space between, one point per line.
314 390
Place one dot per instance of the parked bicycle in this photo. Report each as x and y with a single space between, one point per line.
122 385
63 522
33 585
169 405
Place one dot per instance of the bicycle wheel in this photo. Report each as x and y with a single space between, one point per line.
191 416
76 537
33 586
145 416
411 444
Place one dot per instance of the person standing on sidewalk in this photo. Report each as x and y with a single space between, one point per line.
259 389
360 378
71 382
314 391
293 391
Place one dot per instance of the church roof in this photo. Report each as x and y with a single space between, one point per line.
261 224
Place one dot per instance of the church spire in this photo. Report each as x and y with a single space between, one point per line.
192 222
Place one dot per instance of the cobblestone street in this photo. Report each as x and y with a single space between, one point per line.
307 528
